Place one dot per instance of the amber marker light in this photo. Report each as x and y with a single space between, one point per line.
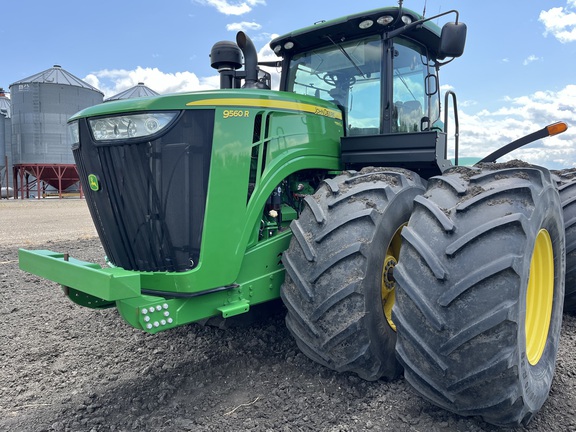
556 128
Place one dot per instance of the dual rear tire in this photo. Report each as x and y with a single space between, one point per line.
477 288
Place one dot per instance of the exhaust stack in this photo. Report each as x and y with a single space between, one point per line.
250 60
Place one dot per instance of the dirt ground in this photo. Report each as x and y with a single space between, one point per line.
66 368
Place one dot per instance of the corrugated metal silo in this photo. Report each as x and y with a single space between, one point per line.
41 106
137 91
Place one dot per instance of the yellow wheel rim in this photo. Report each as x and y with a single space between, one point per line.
388 282
539 297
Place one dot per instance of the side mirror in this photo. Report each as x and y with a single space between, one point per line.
452 40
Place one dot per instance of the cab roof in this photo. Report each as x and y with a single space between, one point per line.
348 28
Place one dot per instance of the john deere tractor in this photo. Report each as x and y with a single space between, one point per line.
335 194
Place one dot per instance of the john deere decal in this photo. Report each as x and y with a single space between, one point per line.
93 182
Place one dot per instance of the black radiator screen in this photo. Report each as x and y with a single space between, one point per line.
149 209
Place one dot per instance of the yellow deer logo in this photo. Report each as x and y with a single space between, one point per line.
93 182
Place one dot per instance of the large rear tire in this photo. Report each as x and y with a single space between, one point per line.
566 182
337 290
480 292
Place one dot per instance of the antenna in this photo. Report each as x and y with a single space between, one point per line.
424 11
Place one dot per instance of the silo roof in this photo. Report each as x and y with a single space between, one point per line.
56 75
137 91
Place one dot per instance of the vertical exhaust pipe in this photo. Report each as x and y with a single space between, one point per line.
250 60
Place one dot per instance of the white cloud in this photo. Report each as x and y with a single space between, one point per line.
114 81
264 38
486 131
266 54
560 22
467 103
243 26
530 59
228 7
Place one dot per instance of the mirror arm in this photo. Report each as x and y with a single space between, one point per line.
410 26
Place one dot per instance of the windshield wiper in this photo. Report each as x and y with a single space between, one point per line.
347 56
404 82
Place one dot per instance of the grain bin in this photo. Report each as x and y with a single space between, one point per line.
137 91
41 106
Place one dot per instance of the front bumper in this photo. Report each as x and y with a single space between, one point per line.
140 305
109 284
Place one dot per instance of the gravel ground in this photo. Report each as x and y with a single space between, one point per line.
66 368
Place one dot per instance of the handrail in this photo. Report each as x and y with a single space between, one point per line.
456 124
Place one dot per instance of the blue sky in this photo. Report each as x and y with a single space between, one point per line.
518 72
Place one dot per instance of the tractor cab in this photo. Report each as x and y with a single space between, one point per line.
381 69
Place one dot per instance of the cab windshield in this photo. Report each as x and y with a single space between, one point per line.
349 74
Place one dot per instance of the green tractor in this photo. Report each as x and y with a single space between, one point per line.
336 195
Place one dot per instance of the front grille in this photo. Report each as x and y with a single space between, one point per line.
149 211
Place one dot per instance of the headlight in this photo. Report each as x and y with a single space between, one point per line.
74 134
130 126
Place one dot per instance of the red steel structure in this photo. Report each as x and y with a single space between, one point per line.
59 176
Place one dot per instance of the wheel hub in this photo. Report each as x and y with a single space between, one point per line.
388 281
